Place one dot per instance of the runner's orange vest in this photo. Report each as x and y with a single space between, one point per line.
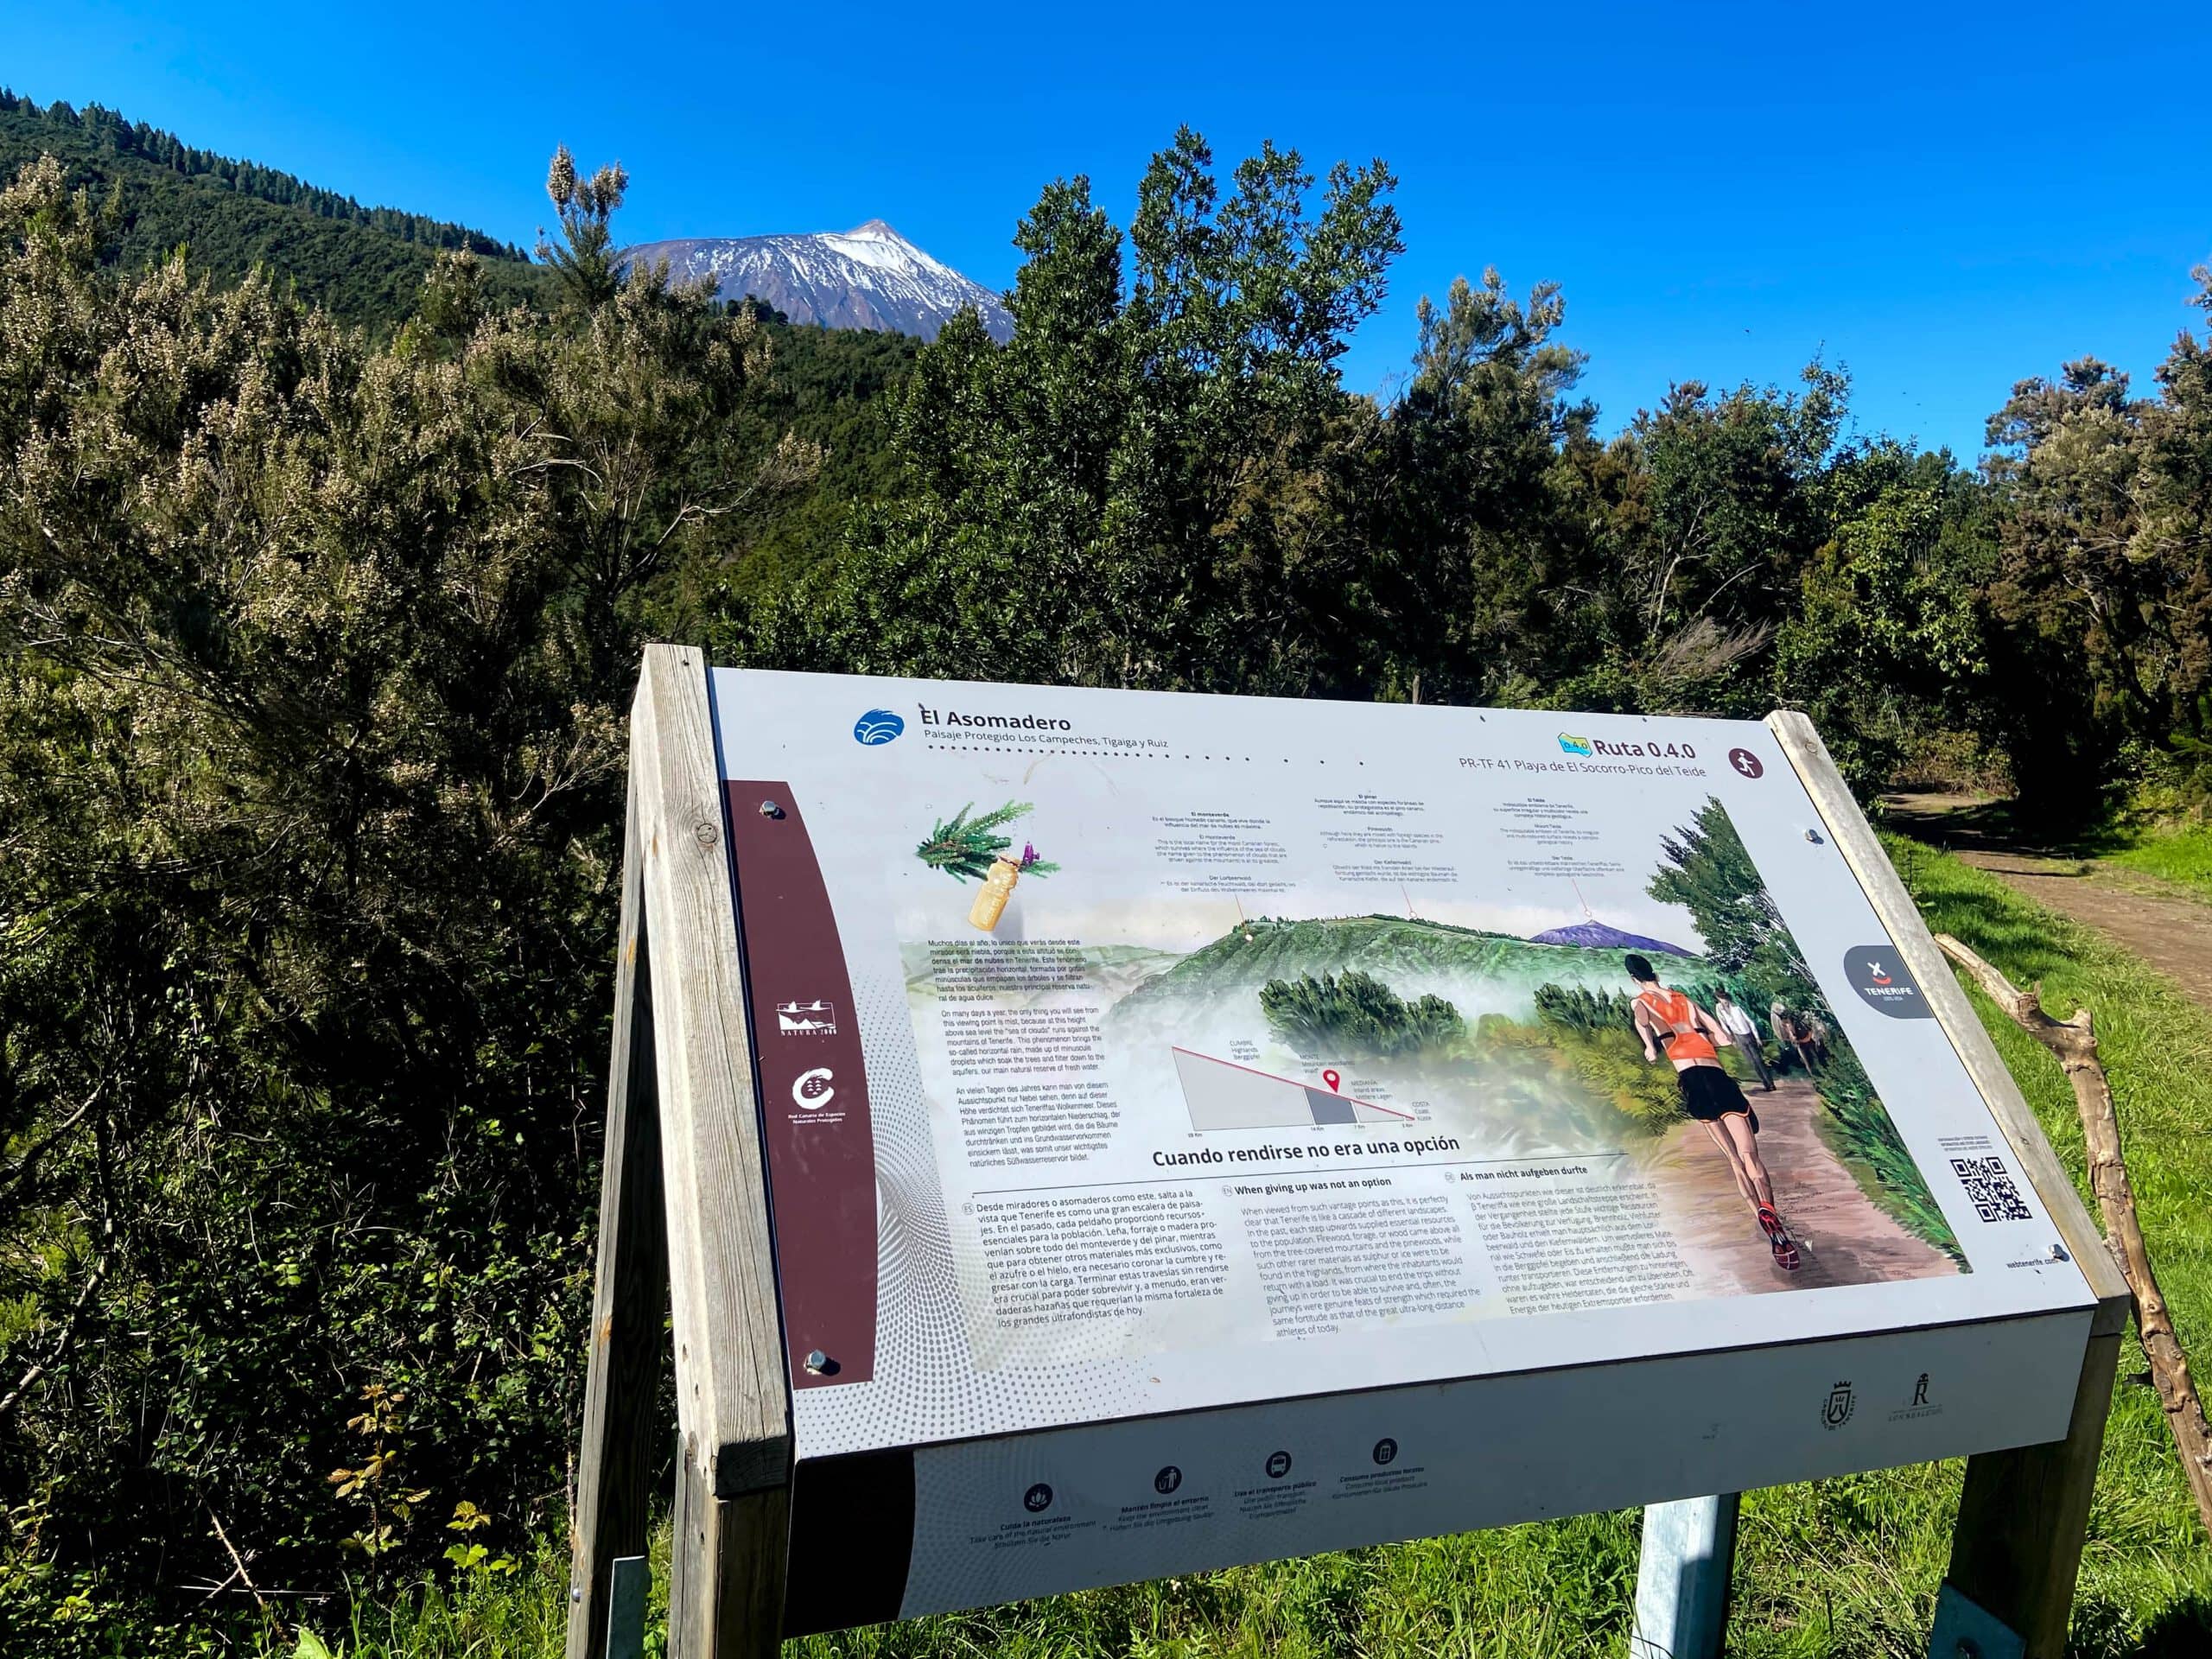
1682 1040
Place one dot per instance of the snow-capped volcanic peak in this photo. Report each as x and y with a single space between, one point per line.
867 277
876 244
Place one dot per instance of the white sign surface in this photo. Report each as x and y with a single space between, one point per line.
1127 1054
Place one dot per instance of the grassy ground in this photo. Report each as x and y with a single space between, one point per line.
2182 856
1844 1567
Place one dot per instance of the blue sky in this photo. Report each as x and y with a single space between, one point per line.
1943 200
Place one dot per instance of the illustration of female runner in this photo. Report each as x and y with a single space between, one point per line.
1671 1020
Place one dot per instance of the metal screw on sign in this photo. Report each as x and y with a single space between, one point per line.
772 810
817 1362
1814 835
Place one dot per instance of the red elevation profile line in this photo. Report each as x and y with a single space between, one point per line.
1216 1059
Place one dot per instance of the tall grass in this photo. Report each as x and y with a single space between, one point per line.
1609 1061
477 1615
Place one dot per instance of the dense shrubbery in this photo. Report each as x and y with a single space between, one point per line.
1578 1008
310 743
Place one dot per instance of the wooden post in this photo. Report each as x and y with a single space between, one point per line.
629 1313
1682 1579
733 1401
2023 1514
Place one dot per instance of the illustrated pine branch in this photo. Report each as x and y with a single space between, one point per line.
964 847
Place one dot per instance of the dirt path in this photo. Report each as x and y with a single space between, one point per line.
1844 1239
2169 928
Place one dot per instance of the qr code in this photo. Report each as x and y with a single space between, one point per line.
1990 1190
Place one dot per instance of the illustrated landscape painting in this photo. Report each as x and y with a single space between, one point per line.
1528 1045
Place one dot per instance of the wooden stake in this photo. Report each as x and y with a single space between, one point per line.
2023 1517
2075 1043
629 1315
683 1222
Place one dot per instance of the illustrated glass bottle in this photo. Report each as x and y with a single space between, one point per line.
998 887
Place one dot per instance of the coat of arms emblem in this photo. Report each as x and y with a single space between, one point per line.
1836 1411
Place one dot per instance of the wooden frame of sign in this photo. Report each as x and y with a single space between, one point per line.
685 1243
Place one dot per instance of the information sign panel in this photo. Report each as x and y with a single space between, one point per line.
1202 1130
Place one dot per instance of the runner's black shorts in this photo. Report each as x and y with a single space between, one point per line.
1709 1093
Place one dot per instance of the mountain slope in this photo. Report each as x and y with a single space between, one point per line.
1600 935
867 277
364 264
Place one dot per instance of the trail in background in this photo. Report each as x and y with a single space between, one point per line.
2159 922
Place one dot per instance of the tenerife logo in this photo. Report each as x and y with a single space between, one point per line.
877 725
1883 981
1574 745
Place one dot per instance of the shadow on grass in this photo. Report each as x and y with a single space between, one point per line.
2181 1631
1998 827
2103 1629
2012 935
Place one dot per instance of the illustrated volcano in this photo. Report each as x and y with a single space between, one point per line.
1596 936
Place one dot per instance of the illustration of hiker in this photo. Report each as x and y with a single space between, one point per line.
1788 1035
1816 1037
1737 1021
1670 1020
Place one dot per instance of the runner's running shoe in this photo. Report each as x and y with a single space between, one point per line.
1786 1255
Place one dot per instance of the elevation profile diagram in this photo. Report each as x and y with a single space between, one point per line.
1222 1094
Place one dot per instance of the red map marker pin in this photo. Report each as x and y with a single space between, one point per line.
1331 1078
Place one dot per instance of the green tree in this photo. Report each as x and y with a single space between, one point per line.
2106 572
1734 503
585 258
1480 584
1884 640
1118 495
1709 873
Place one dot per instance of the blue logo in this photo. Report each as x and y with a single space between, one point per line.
877 725
1573 745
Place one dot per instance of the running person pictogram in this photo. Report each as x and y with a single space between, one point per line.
1670 1019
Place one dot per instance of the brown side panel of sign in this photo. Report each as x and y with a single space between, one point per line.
813 1089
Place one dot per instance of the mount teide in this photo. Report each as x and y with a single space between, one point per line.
867 277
